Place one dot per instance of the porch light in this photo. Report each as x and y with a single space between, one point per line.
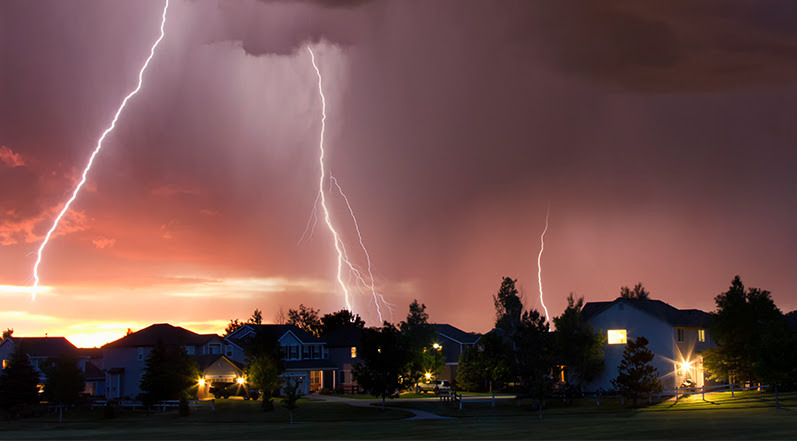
201 382
428 376
686 365
436 346
240 380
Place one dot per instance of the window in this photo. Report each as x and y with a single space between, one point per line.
140 354
354 352
342 377
293 352
306 351
214 348
680 333
701 335
617 336
190 350
228 351
5 363
283 352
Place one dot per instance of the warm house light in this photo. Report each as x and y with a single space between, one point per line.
701 335
354 352
240 380
617 337
201 382
436 346
685 365
428 376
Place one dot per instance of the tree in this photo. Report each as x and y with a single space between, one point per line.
419 337
292 395
508 307
64 381
232 327
7 333
579 348
534 356
774 358
340 319
18 383
169 373
635 377
485 364
384 358
257 317
737 326
265 365
638 292
306 319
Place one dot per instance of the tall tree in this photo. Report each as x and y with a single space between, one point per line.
508 307
18 383
340 319
737 326
534 355
64 381
485 364
579 348
638 292
384 357
306 318
419 337
774 357
265 365
7 333
257 317
169 374
635 376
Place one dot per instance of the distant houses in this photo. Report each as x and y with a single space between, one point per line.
676 336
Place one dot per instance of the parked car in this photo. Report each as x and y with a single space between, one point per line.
438 387
227 390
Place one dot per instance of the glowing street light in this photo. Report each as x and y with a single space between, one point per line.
240 380
437 346
428 376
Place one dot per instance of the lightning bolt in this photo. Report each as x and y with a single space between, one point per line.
539 261
94 155
343 257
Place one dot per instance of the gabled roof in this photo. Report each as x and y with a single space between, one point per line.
275 331
205 361
94 373
343 337
656 308
456 334
168 334
44 346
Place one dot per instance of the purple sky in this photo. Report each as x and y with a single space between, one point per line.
661 134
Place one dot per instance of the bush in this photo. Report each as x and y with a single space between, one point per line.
325 391
339 389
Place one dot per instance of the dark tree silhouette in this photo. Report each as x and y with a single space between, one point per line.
638 292
306 318
18 383
508 307
419 337
65 381
265 365
292 395
485 364
7 333
384 357
340 319
737 326
578 347
635 377
169 374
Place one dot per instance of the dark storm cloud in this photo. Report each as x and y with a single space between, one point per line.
666 46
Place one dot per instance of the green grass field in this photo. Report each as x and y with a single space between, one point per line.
748 415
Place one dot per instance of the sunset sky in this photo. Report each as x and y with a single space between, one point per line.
661 135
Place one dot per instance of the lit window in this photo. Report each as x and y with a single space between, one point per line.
701 335
680 335
6 362
617 337
354 352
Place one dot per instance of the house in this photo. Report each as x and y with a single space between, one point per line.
39 349
452 341
124 360
342 344
306 357
217 370
677 337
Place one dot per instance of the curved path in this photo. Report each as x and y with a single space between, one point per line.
417 414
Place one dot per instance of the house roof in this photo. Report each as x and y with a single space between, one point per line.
456 334
656 308
205 361
94 373
275 331
168 334
44 346
343 337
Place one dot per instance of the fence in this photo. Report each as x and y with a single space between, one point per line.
160 405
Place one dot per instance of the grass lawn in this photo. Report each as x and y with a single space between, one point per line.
748 415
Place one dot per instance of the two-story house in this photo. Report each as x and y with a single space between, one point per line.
342 343
452 341
306 357
124 360
39 349
677 337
